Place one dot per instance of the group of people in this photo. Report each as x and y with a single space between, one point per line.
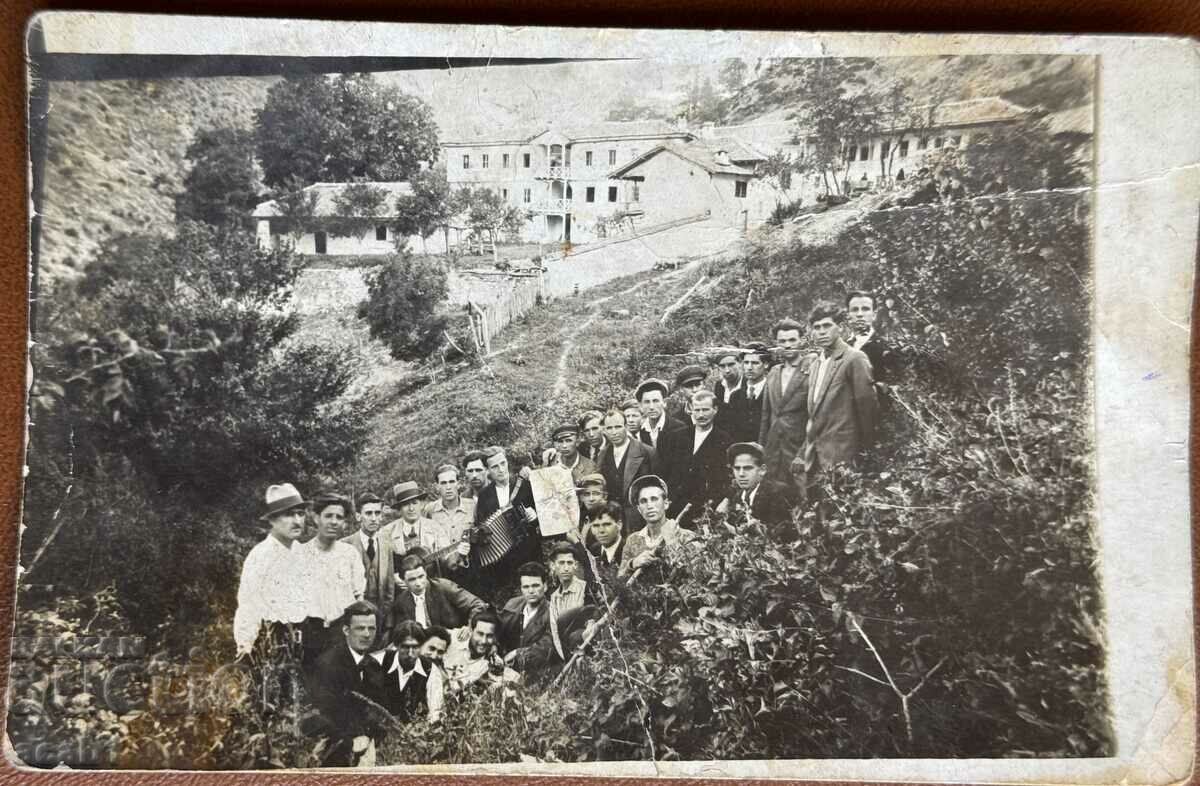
413 605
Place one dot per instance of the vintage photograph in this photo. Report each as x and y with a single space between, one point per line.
578 411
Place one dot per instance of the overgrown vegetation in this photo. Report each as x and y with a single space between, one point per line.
403 294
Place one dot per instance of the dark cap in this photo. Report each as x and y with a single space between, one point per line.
594 479
651 384
629 403
329 497
566 428
690 374
738 448
755 348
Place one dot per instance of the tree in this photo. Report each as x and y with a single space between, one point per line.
343 129
427 209
896 116
221 187
701 104
733 75
628 108
833 120
297 210
400 310
488 212
777 170
356 209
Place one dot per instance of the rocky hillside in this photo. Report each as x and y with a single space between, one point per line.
114 157
1050 82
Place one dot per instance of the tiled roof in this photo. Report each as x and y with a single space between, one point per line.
738 150
326 193
607 129
702 155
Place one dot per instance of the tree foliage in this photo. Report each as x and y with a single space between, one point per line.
626 107
836 114
297 209
401 306
733 75
343 129
429 207
489 215
221 187
357 208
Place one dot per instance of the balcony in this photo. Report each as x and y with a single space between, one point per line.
554 172
552 206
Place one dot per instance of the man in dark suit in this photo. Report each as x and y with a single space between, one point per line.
696 470
410 689
756 359
608 547
657 427
861 335
374 544
785 407
527 631
688 380
753 497
843 410
730 390
341 677
503 492
623 460
428 602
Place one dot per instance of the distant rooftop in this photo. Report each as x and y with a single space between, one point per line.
603 130
992 109
702 154
326 192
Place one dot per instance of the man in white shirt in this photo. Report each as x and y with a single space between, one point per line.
606 551
572 591
334 571
624 460
450 510
657 426
271 590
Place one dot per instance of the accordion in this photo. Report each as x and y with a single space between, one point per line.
502 534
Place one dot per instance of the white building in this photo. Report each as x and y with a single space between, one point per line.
562 176
379 239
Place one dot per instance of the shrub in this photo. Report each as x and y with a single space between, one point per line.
403 294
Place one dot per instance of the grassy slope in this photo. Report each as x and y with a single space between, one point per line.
115 152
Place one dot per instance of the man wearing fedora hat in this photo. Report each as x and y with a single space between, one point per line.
271 591
412 530
335 577
753 496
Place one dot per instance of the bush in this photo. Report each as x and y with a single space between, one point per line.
402 297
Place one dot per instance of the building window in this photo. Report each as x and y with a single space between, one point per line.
504 193
484 164
864 152
525 160
938 142
587 158
528 196
853 155
612 161
922 143
612 190
956 140
381 232
504 160
739 189
319 242
637 191
884 147
904 149
466 161
590 194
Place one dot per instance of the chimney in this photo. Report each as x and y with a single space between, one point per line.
722 158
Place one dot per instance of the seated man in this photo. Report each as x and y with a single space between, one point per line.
429 601
754 497
528 628
480 667
571 592
342 677
661 537
410 691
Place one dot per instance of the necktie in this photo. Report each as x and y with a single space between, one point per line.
362 670
371 549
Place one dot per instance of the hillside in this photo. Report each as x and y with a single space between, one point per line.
114 157
1051 82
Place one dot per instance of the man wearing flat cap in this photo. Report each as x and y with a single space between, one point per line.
730 390
689 380
271 593
657 426
756 498
566 453
661 538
